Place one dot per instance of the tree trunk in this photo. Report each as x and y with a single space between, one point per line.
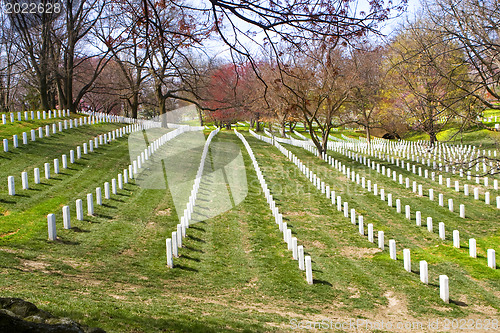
257 126
200 114
368 136
283 127
134 105
433 138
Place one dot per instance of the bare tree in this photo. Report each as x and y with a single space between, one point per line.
473 27
423 64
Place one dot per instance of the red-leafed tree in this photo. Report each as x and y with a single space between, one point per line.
228 94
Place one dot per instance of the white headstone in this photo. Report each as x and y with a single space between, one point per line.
407 260
294 248
51 224
66 217
392 249
444 292
429 224
300 251
90 204
24 180
424 273
11 185
309 276
456 238
98 196
79 209
168 245
174 244
491 259
472 248
56 166
381 240
36 173
441 230
47 170
64 161
106 191
361 227
462 211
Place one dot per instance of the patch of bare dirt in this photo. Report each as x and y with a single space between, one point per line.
398 305
166 212
358 252
10 250
34 266
10 233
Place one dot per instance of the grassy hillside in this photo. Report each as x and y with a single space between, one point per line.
234 273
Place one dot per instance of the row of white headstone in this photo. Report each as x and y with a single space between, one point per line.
87 148
358 146
175 242
111 118
439 152
373 165
325 189
444 288
39 115
305 262
418 217
56 127
117 183
368 162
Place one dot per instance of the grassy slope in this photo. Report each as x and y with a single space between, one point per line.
109 270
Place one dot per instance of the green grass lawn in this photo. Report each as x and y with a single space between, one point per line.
234 273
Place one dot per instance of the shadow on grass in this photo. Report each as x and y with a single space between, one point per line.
193 249
191 258
103 216
196 239
186 268
117 200
109 206
326 283
65 241
76 229
196 228
459 303
7 201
